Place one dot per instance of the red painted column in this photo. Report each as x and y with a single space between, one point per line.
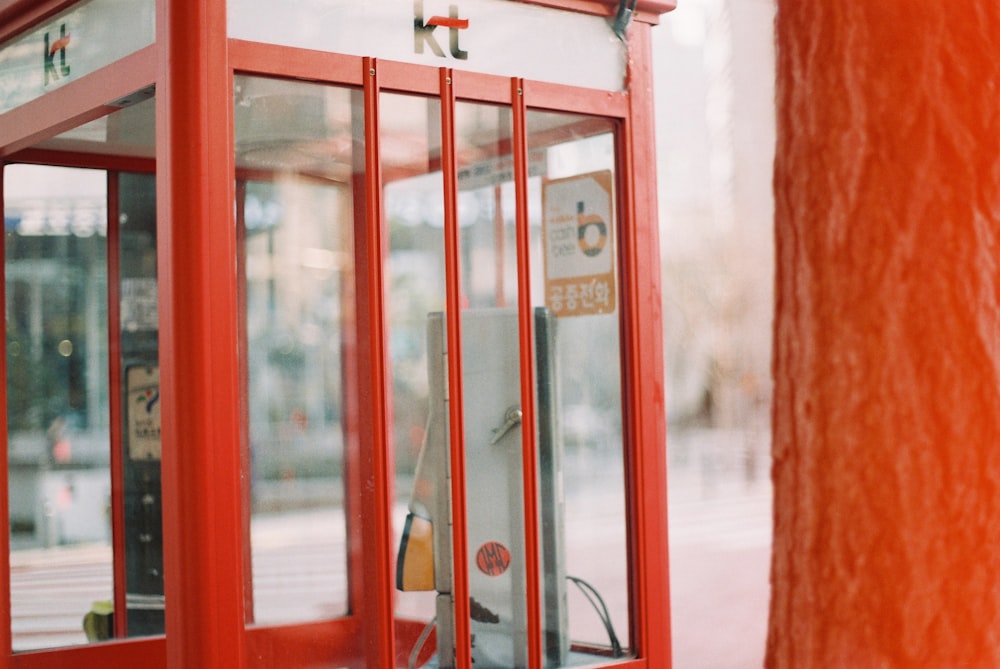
199 360
887 336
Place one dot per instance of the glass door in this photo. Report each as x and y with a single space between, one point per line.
295 210
575 353
543 510
82 391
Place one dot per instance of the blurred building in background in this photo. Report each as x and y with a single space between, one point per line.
715 127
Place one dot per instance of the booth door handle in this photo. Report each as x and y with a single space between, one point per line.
511 418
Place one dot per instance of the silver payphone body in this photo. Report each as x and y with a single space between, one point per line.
495 516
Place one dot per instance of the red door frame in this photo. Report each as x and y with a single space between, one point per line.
203 518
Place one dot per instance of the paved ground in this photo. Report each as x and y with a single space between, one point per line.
720 534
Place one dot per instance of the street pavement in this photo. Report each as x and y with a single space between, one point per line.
719 510
719 533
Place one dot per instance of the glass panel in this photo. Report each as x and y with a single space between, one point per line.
294 155
574 280
58 437
486 206
415 286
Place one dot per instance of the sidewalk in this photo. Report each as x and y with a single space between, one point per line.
720 547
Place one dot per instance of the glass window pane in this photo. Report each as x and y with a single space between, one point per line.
415 289
58 438
294 153
574 279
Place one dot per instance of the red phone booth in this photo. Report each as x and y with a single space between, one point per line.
332 335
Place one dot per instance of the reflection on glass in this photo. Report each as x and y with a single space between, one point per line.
415 288
574 277
491 385
486 206
294 148
57 401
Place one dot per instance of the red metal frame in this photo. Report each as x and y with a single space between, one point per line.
526 337
245 466
204 507
376 606
92 161
358 345
144 653
456 404
646 464
295 63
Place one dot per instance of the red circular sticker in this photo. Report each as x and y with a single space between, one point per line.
493 558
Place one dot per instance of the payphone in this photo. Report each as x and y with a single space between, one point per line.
495 515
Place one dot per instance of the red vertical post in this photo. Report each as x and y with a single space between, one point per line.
456 411
526 346
646 430
115 405
202 514
377 609
5 631
887 403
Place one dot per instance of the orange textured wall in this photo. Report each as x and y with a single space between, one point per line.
887 336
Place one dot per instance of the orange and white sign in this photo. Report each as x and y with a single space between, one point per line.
143 394
578 236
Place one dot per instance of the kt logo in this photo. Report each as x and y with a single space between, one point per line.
51 49
423 31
